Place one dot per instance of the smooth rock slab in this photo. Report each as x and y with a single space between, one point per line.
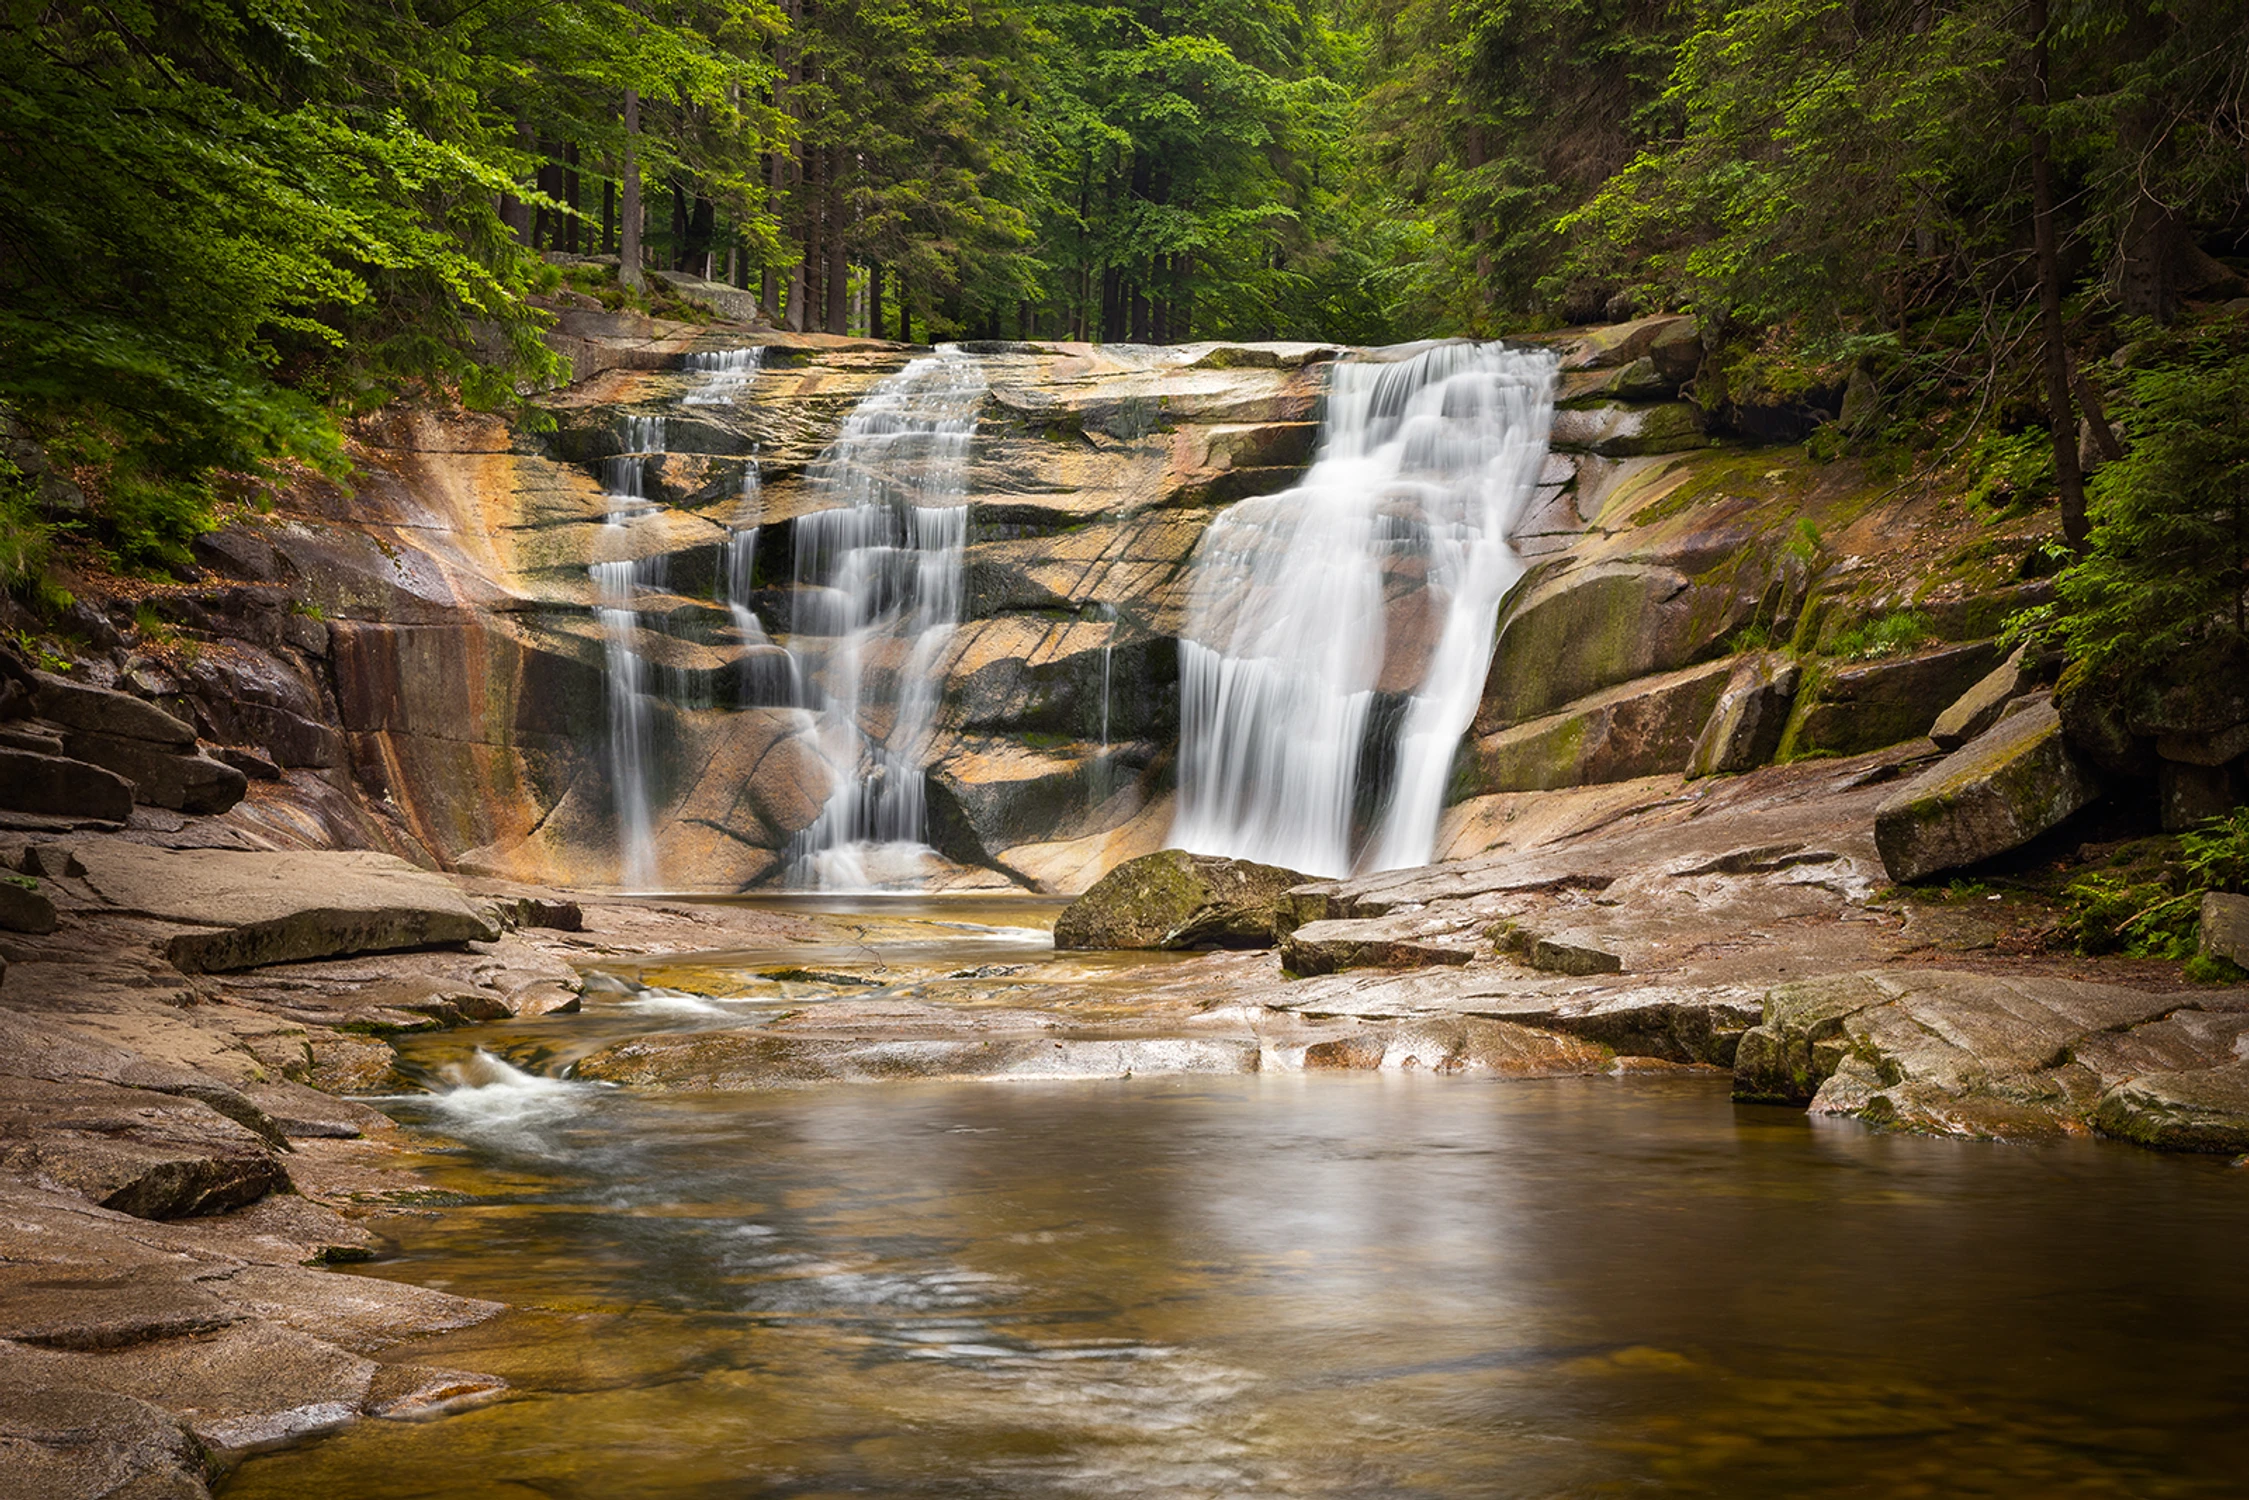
758 1059
1396 942
244 1387
67 1442
57 786
137 1152
1462 1044
1173 899
1996 793
282 908
2205 1110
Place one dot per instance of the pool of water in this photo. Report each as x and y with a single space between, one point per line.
1295 1285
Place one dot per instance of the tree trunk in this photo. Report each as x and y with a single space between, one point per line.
2061 414
874 299
572 220
628 263
609 217
514 212
839 267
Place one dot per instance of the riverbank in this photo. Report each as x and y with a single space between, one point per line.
182 1155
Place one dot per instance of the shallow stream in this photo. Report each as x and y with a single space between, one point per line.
1286 1284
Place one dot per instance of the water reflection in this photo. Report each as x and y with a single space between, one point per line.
1313 1286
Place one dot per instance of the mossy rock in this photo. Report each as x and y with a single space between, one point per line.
1995 793
1173 899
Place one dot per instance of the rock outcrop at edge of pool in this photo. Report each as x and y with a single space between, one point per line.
1173 899
2009 1057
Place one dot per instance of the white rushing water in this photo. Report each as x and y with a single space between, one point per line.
878 597
726 374
1425 462
618 582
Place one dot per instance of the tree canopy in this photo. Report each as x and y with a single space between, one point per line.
227 224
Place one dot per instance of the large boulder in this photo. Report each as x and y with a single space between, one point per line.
1868 705
1173 899
1972 1054
163 776
1642 728
1979 708
2225 927
1745 728
2204 1109
1995 793
252 909
1575 631
56 786
96 710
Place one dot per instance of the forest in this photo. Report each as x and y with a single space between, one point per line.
2007 236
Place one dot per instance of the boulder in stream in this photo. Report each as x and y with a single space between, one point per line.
1173 899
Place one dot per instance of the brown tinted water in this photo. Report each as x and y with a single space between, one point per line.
1305 1285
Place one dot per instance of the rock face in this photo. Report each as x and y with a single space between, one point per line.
2225 927
152 749
1173 899
1984 1054
1864 707
1397 942
1999 791
283 908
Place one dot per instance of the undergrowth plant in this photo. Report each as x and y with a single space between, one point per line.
2150 907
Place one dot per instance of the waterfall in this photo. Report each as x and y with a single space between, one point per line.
1289 676
617 584
726 374
878 596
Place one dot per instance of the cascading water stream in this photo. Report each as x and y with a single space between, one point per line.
1288 670
618 581
878 597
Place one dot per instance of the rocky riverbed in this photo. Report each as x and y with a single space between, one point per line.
182 1029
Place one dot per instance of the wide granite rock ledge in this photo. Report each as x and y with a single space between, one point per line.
2006 1056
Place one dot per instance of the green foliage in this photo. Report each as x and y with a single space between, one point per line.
2148 904
2217 853
2006 471
1891 634
25 535
2113 912
2166 576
